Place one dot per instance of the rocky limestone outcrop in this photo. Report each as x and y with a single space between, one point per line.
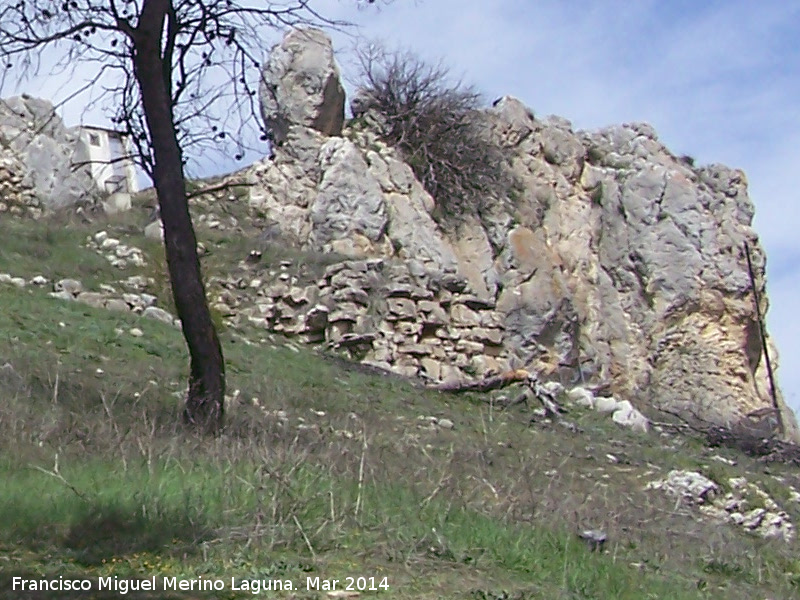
37 171
300 85
612 263
17 197
744 504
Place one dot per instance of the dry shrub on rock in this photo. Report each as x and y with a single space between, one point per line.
438 126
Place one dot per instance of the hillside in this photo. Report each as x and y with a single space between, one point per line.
326 469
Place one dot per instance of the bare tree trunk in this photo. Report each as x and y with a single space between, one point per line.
205 399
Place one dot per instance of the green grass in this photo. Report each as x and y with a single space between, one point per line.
99 478
49 248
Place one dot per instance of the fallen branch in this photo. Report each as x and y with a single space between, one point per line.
488 384
534 387
55 473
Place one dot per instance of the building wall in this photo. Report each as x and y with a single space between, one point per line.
104 148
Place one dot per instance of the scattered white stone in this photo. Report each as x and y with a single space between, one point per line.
38 280
62 295
70 286
233 399
627 416
117 304
92 299
148 299
605 404
159 314
767 521
582 397
553 388
693 487
123 251
154 231
735 516
135 282
737 483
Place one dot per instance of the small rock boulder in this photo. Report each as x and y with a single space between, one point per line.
691 486
70 286
155 230
159 314
603 404
581 396
627 416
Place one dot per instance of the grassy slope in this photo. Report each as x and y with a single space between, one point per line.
98 478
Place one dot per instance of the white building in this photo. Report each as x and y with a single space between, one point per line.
109 157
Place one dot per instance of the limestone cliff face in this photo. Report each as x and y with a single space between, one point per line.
639 275
37 159
613 263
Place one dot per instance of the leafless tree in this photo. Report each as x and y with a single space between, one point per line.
177 75
438 126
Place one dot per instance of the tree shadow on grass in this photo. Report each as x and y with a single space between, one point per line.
115 531
101 533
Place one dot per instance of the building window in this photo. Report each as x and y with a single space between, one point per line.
94 139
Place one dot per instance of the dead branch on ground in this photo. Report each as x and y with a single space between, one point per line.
531 382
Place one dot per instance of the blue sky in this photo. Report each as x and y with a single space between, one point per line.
719 80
